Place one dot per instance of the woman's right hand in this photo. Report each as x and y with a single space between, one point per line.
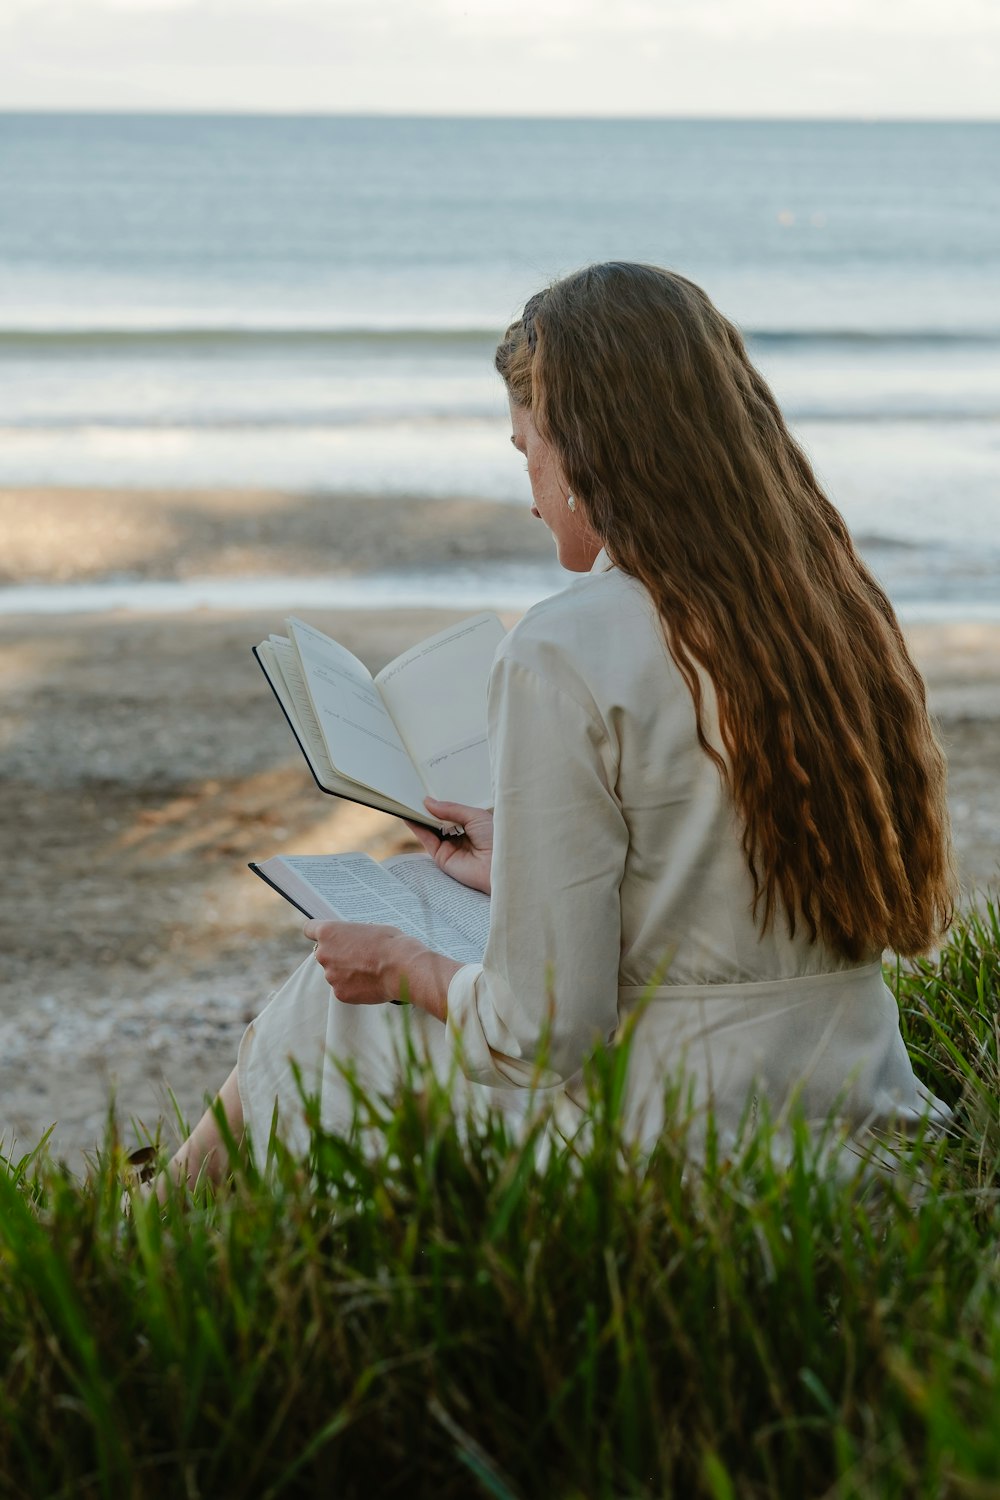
467 858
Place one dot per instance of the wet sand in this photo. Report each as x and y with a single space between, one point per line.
143 762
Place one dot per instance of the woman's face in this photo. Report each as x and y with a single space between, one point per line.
576 544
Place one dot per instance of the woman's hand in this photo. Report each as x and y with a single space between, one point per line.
366 964
466 859
356 959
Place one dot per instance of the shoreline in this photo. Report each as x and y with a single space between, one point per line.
144 763
85 548
55 535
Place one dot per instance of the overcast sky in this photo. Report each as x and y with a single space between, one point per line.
869 58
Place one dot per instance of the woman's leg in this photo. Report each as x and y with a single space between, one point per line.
204 1152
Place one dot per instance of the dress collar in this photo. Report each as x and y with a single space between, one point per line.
602 562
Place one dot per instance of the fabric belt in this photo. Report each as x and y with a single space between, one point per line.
797 986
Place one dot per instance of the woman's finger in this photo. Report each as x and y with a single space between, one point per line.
424 836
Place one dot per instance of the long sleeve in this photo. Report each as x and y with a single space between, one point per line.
547 989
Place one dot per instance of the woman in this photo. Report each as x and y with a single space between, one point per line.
715 779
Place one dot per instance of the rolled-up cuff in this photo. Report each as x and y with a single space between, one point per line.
469 1044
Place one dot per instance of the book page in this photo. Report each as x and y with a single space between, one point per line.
362 741
354 888
466 910
281 654
281 667
436 693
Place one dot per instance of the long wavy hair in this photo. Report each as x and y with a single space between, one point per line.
675 448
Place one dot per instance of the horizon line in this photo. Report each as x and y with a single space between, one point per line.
201 112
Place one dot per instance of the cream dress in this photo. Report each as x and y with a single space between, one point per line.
619 882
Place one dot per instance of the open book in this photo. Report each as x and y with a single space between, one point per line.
407 891
418 729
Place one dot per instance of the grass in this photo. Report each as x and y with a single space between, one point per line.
470 1316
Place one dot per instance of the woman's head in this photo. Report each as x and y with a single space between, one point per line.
682 465
645 391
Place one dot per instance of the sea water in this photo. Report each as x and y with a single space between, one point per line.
313 303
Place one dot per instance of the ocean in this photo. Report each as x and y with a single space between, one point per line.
312 303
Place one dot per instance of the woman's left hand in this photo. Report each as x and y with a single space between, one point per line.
356 958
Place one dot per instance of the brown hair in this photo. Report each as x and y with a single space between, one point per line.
674 446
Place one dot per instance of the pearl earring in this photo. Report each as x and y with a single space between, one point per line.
571 501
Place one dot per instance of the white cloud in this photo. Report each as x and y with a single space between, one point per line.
572 17
505 56
144 7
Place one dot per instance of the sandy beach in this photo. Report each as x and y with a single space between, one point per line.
144 762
